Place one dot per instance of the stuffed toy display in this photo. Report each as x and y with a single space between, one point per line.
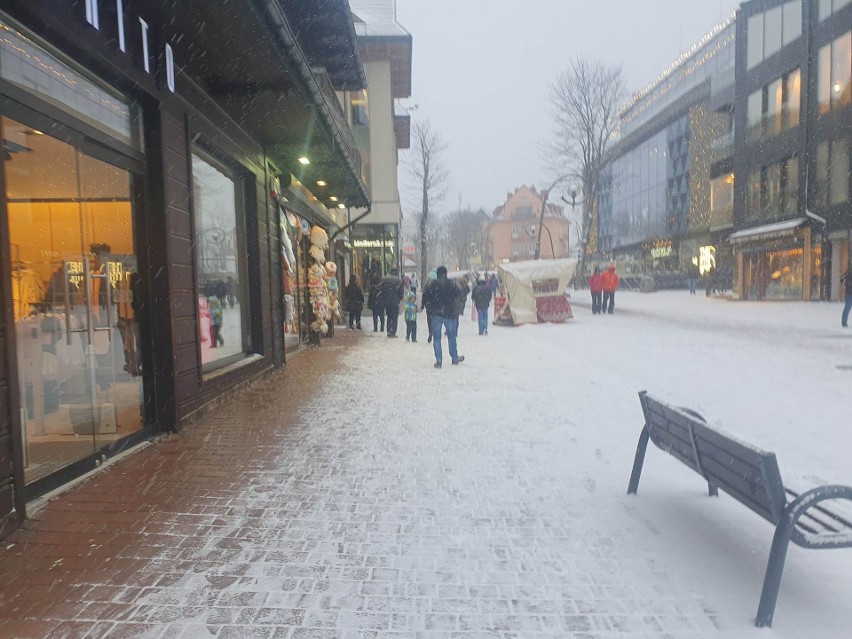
317 284
333 290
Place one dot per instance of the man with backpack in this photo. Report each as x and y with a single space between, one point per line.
442 299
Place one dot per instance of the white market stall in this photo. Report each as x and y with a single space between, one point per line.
535 292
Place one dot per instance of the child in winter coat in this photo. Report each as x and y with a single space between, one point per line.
411 318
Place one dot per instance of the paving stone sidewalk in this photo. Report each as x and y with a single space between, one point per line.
320 503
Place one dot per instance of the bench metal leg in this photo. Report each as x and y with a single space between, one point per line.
638 461
774 571
712 490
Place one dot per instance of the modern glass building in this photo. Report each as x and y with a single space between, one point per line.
657 206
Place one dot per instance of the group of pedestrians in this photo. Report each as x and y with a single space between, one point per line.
443 299
603 287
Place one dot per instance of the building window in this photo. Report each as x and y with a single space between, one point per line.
523 212
834 81
219 262
514 249
514 230
833 172
775 108
360 114
768 32
721 200
773 191
827 7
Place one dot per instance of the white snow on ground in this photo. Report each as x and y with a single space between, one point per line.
511 469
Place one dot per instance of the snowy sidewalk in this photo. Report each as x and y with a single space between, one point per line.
362 493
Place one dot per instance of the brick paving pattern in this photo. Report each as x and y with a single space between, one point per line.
324 501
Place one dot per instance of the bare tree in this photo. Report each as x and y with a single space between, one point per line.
426 165
585 99
463 232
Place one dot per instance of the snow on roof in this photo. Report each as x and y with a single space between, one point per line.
376 18
778 229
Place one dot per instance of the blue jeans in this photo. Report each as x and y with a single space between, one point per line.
844 321
692 284
452 326
482 313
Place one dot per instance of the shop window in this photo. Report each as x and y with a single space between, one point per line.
220 269
775 108
834 81
721 199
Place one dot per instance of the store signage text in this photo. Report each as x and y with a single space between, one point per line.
372 243
92 17
661 251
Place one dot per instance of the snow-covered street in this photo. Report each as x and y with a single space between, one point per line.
362 493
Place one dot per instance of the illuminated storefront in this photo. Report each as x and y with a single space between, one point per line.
375 251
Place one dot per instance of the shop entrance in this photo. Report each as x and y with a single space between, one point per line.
74 275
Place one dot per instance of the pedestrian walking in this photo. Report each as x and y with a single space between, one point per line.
443 297
596 287
493 284
481 297
392 294
710 281
431 277
846 280
411 317
353 302
377 304
413 283
609 283
692 276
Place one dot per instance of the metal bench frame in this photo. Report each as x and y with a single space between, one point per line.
797 517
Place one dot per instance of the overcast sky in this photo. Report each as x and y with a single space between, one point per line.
482 69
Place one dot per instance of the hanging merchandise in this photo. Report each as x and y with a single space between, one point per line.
333 290
317 285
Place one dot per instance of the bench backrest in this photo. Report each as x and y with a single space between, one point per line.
746 473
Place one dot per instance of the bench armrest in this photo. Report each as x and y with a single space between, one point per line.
807 500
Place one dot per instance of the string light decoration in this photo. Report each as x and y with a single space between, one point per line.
677 72
705 127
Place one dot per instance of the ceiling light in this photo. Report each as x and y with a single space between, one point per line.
35 132
333 198
341 206
837 87
322 183
304 160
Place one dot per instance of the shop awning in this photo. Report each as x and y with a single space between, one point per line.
248 57
768 231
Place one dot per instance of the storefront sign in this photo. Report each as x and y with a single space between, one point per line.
93 18
706 258
372 243
661 251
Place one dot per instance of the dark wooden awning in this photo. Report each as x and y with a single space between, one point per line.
246 55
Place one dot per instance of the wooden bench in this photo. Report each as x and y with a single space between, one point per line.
750 476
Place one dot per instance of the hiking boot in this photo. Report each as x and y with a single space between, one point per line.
458 360
437 364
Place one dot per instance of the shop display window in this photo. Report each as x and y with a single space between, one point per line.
224 328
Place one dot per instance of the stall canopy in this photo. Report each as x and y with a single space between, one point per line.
535 290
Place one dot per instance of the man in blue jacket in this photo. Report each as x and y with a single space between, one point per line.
442 299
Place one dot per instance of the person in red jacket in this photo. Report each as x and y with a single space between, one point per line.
596 287
609 281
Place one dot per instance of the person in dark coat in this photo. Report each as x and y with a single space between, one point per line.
393 291
376 303
353 302
482 300
846 280
444 299
464 287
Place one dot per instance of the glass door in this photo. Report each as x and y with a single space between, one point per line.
73 279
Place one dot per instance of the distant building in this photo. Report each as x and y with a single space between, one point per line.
793 109
514 226
385 49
